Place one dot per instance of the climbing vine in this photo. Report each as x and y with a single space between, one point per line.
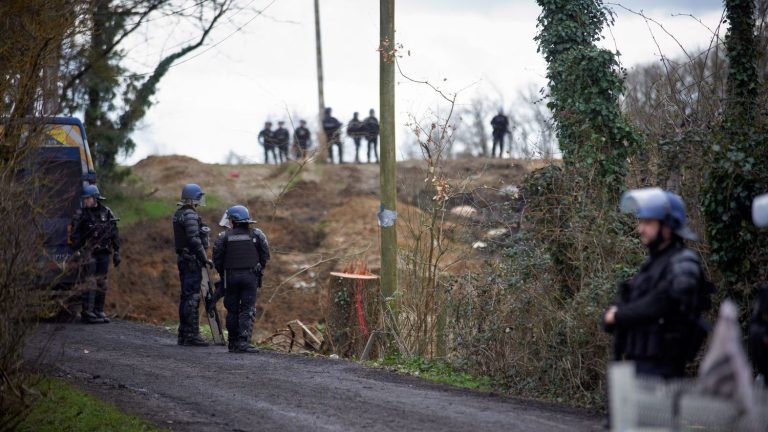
585 84
737 159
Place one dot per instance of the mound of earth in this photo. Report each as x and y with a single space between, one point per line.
317 219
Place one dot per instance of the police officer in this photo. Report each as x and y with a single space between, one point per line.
240 255
94 237
355 131
656 321
331 127
371 127
267 140
500 126
302 139
190 236
282 139
758 324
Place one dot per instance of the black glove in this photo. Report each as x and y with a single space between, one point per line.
209 263
116 260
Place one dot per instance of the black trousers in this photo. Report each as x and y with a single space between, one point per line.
240 302
190 276
95 292
267 150
373 143
498 140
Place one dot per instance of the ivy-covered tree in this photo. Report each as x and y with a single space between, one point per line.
738 159
96 82
585 84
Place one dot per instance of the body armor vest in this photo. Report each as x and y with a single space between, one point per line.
98 227
241 250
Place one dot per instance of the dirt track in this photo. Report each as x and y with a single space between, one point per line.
143 371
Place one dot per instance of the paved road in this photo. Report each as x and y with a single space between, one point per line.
142 370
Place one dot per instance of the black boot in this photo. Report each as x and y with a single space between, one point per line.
245 347
104 318
231 345
89 317
192 340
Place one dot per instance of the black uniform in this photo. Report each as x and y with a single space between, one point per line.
282 139
758 330
657 324
301 138
267 140
95 236
356 131
371 126
331 127
190 236
500 125
241 255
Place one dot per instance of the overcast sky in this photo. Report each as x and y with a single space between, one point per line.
217 102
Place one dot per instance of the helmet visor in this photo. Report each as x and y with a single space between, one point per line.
760 211
225 222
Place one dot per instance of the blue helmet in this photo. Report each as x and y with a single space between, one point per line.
239 214
760 211
91 191
192 193
655 203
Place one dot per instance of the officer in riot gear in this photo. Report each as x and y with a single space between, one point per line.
758 323
371 127
356 132
332 129
267 140
656 319
282 140
240 255
302 139
500 126
94 237
190 236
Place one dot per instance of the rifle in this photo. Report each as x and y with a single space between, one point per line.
207 291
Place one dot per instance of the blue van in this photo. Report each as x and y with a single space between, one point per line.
62 164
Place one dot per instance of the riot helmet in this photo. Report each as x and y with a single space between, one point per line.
192 194
760 211
237 214
655 203
92 191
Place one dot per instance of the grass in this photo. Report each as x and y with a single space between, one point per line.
63 407
131 209
434 370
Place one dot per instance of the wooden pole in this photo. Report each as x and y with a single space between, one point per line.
387 177
322 140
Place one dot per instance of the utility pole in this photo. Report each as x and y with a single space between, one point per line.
387 177
322 140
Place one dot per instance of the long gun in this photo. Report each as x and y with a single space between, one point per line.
207 291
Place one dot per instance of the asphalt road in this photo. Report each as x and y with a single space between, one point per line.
142 370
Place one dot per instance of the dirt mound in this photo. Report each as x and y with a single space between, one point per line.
316 222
